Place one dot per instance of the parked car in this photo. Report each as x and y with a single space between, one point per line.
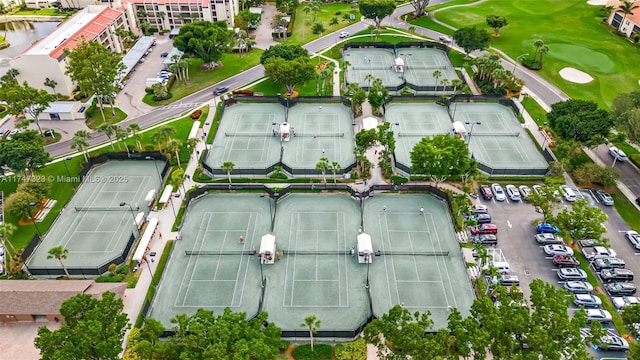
634 239
608 263
571 274
587 300
586 243
547 228
557 249
485 192
565 261
568 193
525 191
620 288
498 192
619 275
445 39
617 154
479 209
343 34
598 315
598 252
604 197
164 54
613 343
486 240
481 218
548 238
512 193
220 90
484 229
622 301
578 287
506 280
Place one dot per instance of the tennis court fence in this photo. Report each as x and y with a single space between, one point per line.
284 252
294 134
118 208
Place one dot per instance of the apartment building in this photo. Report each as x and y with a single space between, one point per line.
167 15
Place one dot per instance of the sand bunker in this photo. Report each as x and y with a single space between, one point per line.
598 2
575 75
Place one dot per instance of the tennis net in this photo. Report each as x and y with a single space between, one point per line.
295 134
420 134
118 208
513 134
314 252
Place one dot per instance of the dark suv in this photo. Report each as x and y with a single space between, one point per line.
619 275
220 90
485 192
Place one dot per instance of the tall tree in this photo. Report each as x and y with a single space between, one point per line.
437 75
335 167
289 73
376 10
227 167
174 146
377 94
25 99
626 8
496 23
109 130
441 157
204 39
158 138
420 7
582 221
312 323
470 39
79 142
166 132
92 329
24 153
121 136
59 253
312 6
96 69
545 201
6 230
134 129
323 165
579 120
18 204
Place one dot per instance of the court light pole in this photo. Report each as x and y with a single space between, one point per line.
472 123
153 282
65 165
517 61
32 204
135 223
270 211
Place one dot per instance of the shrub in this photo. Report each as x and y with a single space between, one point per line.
530 64
171 81
91 110
148 90
110 279
398 179
149 147
196 114
280 176
243 92
354 350
318 28
320 352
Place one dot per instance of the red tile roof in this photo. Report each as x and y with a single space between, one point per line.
89 32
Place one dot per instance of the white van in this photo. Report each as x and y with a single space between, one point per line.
502 266
568 193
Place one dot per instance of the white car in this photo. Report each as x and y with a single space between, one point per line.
557 249
578 287
480 209
571 274
568 193
634 239
525 191
622 301
613 343
512 193
587 300
343 34
599 315
498 193
617 154
548 238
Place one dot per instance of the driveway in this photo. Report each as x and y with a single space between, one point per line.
16 339
263 33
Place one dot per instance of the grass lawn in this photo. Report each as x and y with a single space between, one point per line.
575 35
627 210
198 80
268 88
95 121
42 12
536 111
302 32
427 22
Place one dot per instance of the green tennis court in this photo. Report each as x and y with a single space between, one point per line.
422 63
499 141
415 122
424 281
375 61
246 137
93 226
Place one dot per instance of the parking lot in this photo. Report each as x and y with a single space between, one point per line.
526 257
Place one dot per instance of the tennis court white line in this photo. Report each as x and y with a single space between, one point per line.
213 280
419 281
437 236
94 231
415 264
317 280
393 265
199 240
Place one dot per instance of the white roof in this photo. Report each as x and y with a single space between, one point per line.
146 238
364 243
268 244
166 194
399 61
65 30
150 195
194 130
137 52
369 123
255 10
458 126
60 107
284 128
173 52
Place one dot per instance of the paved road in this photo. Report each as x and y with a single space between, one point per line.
628 172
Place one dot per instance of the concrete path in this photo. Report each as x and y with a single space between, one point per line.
263 33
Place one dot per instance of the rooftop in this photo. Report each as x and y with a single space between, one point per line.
204 3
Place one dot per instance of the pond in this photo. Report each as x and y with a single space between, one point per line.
21 35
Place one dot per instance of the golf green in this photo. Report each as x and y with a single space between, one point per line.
575 35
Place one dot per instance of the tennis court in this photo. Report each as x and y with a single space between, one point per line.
434 278
322 130
214 224
415 121
245 136
375 61
499 141
422 63
93 226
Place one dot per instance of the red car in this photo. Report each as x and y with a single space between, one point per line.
482 229
485 192
565 261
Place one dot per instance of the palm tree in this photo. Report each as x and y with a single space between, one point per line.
312 6
312 323
538 44
79 142
227 167
369 78
437 74
134 129
626 8
323 165
109 130
444 82
335 167
371 29
543 51
412 30
173 146
51 83
456 83
157 137
166 132
121 135
6 230
59 252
